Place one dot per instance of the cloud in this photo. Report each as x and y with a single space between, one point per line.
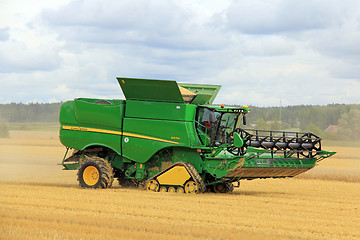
341 41
157 24
4 34
17 57
157 39
278 16
268 45
345 69
260 51
150 39
118 14
279 27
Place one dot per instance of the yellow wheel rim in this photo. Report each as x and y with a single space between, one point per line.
180 190
153 186
171 189
191 187
91 175
163 189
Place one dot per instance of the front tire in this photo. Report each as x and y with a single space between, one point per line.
95 172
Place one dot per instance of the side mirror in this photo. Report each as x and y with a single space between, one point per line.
238 141
244 119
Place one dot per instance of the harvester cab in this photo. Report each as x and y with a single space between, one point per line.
169 136
216 125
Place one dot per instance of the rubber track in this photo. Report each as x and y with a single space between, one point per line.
106 173
196 177
191 170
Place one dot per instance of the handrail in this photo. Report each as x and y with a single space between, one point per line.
198 130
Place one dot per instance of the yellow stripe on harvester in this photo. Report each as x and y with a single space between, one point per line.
96 130
146 137
83 129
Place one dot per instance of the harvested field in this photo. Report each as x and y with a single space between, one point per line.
40 201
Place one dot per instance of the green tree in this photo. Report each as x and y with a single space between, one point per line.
4 131
312 128
305 118
275 126
261 124
350 125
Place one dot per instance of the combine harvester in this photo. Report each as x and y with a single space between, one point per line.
168 137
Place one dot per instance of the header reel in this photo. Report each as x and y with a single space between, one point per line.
284 143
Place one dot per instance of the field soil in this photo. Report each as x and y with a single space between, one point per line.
40 201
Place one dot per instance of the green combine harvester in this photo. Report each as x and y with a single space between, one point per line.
168 137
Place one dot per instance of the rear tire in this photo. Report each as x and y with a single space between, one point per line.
95 172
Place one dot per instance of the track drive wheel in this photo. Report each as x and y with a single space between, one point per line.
191 187
95 172
152 185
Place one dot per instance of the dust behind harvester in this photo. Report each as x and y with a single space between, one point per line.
168 137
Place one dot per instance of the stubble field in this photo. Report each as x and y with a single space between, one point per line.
40 201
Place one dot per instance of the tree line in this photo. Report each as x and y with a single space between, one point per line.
32 112
309 118
303 117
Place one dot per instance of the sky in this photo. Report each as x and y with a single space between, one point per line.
262 52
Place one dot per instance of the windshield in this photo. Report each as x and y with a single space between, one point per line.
217 126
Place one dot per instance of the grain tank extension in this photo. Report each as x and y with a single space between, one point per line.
167 136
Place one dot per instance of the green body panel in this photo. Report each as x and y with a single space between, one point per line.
89 113
219 168
188 155
150 90
193 135
171 122
160 110
145 137
81 139
67 114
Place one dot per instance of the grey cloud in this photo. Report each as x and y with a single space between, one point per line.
16 57
268 45
149 39
251 49
160 24
341 42
329 28
272 17
164 15
345 70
